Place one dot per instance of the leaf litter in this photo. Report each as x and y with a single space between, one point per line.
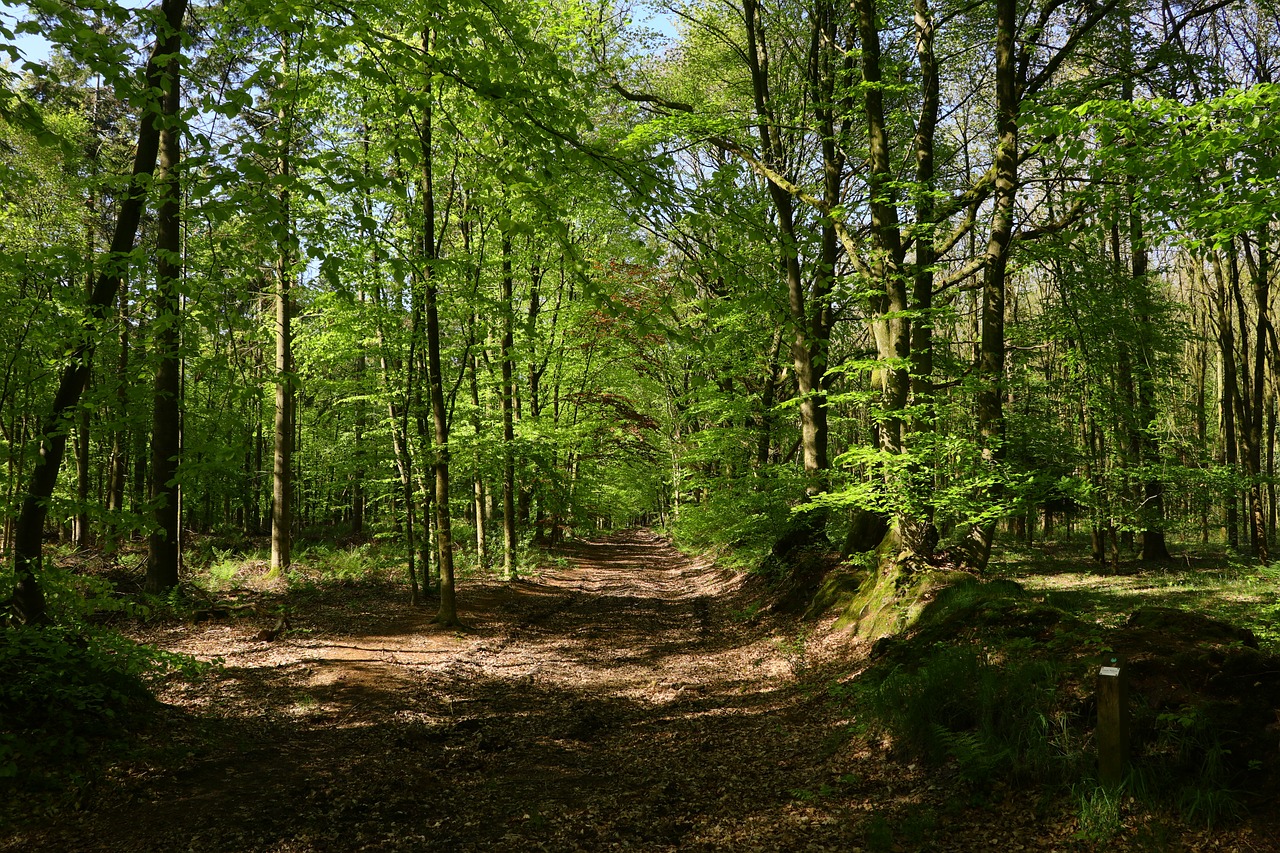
618 699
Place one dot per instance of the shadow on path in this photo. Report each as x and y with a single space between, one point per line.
610 702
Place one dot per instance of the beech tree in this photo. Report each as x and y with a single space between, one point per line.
28 598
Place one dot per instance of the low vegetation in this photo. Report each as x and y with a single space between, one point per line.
994 684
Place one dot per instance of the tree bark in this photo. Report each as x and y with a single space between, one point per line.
813 410
164 544
282 465
118 469
508 422
1230 391
991 357
448 613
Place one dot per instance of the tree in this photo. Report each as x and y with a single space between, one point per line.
165 541
28 598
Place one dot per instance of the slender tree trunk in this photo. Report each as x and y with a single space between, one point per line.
448 613
1230 391
812 406
259 449
164 544
482 542
991 357
1260 401
508 422
1147 449
891 327
118 469
358 491
768 394
282 466
1202 337
403 458
82 533
28 551
82 536
1271 465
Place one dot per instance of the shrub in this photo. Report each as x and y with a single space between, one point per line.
64 689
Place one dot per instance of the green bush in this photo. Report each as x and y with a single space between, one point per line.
1184 759
63 689
744 515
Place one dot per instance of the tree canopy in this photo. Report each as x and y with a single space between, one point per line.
900 279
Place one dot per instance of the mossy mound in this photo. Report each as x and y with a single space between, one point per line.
893 599
883 592
993 682
1204 700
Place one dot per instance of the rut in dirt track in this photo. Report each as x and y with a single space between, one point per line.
620 700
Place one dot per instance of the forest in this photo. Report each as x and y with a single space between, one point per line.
844 382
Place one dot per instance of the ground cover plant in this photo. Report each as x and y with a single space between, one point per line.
995 682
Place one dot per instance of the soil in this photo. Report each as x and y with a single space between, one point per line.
625 697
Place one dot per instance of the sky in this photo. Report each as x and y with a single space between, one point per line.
34 48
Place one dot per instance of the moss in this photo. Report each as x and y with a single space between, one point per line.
836 592
892 599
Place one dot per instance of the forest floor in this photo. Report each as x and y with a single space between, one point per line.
625 696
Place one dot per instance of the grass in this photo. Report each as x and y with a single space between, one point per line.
1218 585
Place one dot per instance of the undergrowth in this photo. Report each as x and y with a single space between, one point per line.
74 689
994 685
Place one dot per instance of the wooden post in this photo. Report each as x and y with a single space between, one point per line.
1113 724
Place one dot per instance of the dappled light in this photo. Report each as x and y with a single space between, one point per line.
715 425
610 696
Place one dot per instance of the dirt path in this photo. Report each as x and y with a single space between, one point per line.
618 700
624 698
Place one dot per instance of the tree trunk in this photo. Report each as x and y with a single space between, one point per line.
282 466
1230 391
991 357
813 411
1154 548
508 423
448 613
164 544
28 551
478 489
81 535
358 491
118 468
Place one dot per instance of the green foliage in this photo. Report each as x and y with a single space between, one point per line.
1187 762
74 598
324 563
63 689
223 569
990 713
1098 809
745 515
1222 147
989 683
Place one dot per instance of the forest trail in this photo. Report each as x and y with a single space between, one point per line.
624 697
621 698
